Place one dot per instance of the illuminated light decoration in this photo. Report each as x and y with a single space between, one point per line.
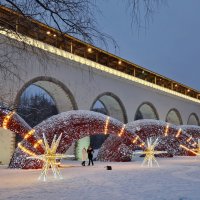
178 133
142 145
7 119
25 150
150 152
95 125
187 149
54 35
89 50
92 64
194 144
135 140
198 147
76 125
39 142
106 125
50 158
30 133
150 128
121 131
119 62
48 32
189 139
166 130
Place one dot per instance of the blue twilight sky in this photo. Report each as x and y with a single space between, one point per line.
170 45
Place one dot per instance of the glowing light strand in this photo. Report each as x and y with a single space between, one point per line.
30 133
7 119
39 142
188 140
166 130
135 140
106 125
90 63
25 150
194 151
178 133
187 149
122 131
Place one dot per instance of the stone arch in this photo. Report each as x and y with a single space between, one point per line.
146 110
173 116
113 104
193 119
56 89
60 93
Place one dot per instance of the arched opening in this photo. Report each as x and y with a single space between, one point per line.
42 97
146 111
174 117
193 119
107 104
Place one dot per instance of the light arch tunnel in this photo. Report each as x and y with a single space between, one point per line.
75 125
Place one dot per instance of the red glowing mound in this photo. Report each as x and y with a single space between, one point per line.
73 125
170 136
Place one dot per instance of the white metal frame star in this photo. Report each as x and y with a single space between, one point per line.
50 158
150 152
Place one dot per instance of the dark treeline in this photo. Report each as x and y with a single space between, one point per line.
36 108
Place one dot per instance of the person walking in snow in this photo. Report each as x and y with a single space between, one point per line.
84 156
90 152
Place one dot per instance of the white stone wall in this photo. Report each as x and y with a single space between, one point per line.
87 83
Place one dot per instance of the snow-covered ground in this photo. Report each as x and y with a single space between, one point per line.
177 179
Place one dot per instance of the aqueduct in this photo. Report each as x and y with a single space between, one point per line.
78 79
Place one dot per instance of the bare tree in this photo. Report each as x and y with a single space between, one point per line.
141 11
74 17
77 17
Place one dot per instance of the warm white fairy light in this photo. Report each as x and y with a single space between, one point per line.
122 130
25 150
150 152
7 119
187 149
142 144
31 132
135 140
106 125
195 151
178 133
92 64
189 139
166 130
50 158
39 142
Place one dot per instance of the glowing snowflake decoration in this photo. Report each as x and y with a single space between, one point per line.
150 152
50 158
